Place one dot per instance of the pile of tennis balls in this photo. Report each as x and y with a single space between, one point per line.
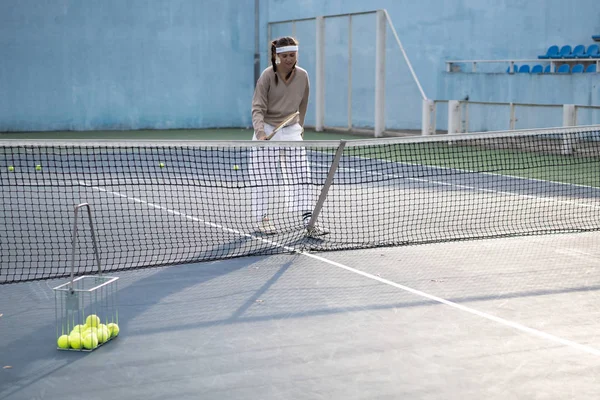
89 335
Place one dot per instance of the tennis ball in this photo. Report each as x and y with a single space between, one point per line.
90 341
38 167
92 321
89 330
162 165
103 334
79 328
114 329
63 342
11 168
75 341
236 167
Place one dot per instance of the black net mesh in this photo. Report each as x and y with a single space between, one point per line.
165 203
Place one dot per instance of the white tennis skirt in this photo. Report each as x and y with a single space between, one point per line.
291 132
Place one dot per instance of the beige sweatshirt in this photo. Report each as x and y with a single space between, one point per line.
272 103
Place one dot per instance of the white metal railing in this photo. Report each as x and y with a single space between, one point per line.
458 111
452 64
382 21
458 114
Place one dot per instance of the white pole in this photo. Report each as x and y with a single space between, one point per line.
256 41
412 71
569 119
569 115
380 74
453 117
511 124
427 128
320 75
350 72
269 35
465 122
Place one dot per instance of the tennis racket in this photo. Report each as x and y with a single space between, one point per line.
286 121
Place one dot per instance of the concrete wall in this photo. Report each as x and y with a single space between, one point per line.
434 31
134 64
113 64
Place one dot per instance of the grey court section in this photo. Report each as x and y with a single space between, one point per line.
293 327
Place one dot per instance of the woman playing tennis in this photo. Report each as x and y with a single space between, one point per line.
281 91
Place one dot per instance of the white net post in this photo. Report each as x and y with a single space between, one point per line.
453 117
320 75
380 74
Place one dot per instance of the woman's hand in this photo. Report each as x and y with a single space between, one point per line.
260 135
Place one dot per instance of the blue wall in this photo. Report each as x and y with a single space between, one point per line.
113 64
434 31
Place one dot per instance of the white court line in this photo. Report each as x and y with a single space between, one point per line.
189 217
490 317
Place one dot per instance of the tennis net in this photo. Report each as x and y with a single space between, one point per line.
173 202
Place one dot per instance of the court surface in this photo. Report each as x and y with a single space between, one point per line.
514 318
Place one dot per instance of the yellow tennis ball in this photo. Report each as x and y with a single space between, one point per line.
236 167
103 334
79 327
90 341
38 167
114 329
89 330
75 341
63 342
11 168
162 165
92 321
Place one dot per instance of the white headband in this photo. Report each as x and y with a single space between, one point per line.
285 49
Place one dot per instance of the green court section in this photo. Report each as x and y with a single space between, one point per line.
174 134
541 159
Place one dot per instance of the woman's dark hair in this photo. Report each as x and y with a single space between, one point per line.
281 42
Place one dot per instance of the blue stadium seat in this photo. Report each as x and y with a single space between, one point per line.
596 38
516 68
552 52
593 51
538 69
547 69
524 69
565 52
563 69
578 51
591 68
577 69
